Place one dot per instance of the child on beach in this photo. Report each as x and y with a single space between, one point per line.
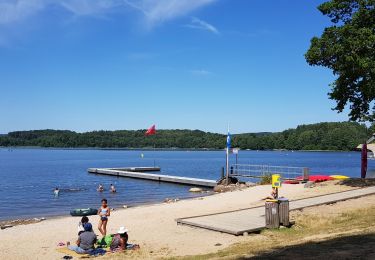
81 224
104 212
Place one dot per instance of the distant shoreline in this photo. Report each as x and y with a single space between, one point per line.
162 149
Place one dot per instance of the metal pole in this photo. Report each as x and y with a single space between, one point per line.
236 162
227 162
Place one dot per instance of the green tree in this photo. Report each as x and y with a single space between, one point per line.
348 49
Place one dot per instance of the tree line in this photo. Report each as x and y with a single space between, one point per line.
322 136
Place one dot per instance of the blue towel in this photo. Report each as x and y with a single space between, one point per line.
97 252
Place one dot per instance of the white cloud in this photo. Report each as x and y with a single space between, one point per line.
13 11
158 11
202 25
201 72
89 7
154 11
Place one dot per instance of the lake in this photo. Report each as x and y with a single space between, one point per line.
28 176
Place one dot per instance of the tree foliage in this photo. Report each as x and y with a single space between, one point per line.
322 136
348 49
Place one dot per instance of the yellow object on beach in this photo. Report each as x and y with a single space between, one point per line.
339 177
276 183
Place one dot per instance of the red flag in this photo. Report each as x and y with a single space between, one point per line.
151 131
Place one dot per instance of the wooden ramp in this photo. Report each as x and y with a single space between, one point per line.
139 173
252 219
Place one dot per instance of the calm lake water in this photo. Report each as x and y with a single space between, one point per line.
28 176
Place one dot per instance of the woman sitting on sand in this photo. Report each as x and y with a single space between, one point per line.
120 240
104 212
85 242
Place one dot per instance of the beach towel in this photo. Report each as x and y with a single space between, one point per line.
66 251
95 252
105 241
98 252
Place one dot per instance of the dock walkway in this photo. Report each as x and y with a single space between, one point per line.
253 219
140 173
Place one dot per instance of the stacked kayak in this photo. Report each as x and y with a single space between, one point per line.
317 178
291 182
339 177
83 212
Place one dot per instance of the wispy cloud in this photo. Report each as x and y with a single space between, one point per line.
158 11
89 7
12 11
201 72
15 13
154 11
202 25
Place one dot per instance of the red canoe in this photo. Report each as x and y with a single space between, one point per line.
291 182
317 178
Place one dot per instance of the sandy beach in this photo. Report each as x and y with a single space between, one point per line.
153 227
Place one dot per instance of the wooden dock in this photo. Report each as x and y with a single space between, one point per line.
249 220
140 173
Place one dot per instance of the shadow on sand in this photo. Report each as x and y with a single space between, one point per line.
348 247
357 182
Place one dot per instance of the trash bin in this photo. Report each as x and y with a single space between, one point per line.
272 214
284 212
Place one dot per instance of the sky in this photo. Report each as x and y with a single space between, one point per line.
88 65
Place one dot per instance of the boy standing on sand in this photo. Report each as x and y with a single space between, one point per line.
104 212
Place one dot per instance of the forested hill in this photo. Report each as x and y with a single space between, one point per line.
321 136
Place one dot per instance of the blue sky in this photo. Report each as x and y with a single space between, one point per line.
196 64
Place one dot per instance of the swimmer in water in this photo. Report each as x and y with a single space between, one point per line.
100 188
56 192
113 189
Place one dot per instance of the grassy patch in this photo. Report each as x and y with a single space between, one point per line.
311 232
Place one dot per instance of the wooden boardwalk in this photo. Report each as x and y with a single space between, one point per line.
139 173
249 220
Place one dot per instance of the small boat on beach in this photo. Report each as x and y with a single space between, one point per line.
317 178
339 177
83 212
